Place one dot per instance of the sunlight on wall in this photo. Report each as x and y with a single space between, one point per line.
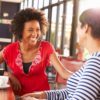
85 4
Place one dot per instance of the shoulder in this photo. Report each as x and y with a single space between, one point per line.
47 46
12 46
93 62
46 43
95 58
9 50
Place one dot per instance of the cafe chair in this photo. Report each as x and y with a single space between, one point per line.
71 64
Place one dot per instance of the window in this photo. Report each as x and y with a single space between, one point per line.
40 4
53 25
46 13
46 3
22 5
54 1
35 4
60 26
30 3
69 14
25 4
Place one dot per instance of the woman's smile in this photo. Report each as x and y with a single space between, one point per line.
31 32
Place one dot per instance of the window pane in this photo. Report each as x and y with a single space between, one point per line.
53 24
46 13
46 2
69 14
40 3
25 4
35 4
29 3
60 27
54 1
22 5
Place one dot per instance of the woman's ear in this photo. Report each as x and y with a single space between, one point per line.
86 28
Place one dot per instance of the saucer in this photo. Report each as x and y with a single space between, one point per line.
5 86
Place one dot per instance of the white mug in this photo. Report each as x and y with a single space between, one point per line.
4 80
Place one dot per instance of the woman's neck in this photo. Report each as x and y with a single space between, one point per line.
94 46
28 47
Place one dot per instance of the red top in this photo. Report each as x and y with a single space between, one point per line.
36 79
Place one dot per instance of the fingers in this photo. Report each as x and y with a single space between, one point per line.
19 98
30 94
28 98
16 87
25 95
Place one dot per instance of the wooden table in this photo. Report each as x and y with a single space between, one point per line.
7 94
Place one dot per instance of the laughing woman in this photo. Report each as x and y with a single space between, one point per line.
28 57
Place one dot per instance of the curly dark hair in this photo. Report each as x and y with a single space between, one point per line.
25 15
92 18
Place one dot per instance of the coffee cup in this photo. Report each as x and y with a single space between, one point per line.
4 80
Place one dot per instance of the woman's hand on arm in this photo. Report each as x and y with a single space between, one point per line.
14 82
59 66
27 98
38 95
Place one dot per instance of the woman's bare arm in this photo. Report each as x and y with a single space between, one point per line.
59 67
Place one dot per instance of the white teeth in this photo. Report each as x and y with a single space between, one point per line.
33 38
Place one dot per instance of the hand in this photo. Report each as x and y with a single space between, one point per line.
27 98
14 82
30 98
39 95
